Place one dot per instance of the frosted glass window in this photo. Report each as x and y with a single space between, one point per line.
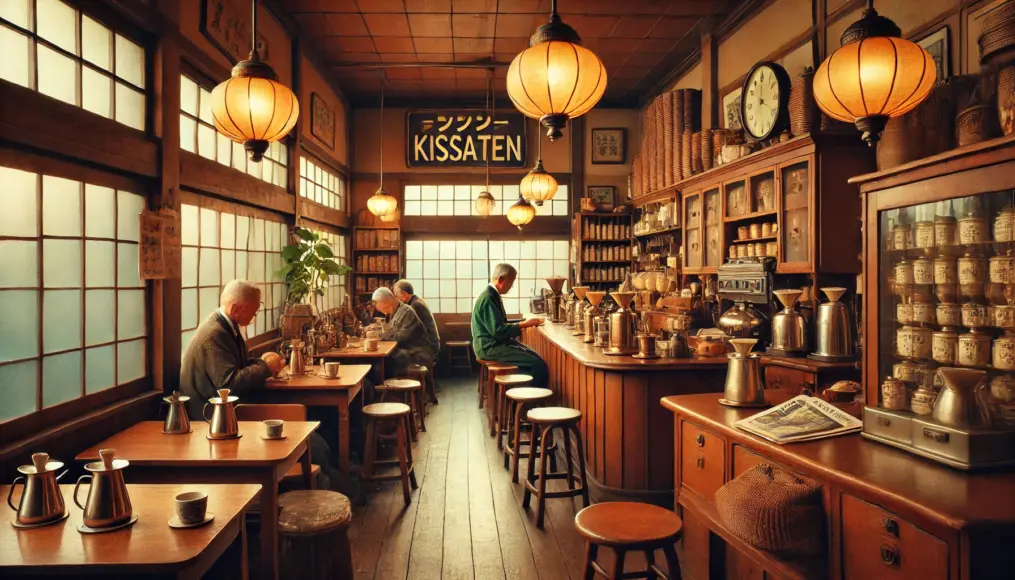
16 48
100 264
18 12
188 308
100 368
96 93
61 207
57 23
61 320
130 107
209 265
188 95
19 317
61 378
127 267
61 263
129 62
189 225
188 134
96 43
209 228
100 316
204 112
19 264
130 314
130 206
18 386
58 75
130 361
206 142
224 149
228 266
188 266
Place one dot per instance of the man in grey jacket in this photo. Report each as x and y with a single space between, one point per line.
405 328
405 293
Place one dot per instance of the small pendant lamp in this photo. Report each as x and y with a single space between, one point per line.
485 203
252 107
382 203
538 185
521 213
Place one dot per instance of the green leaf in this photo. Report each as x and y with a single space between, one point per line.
306 234
324 251
320 292
331 267
285 270
290 253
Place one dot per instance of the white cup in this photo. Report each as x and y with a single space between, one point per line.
331 369
191 507
273 428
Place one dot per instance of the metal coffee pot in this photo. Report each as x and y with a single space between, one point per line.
554 304
578 315
962 401
591 314
297 365
41 501
176 422
223 424
623 325
789 327
836 335
743 375
108 503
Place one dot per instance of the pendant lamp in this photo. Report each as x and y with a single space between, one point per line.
874 75
556 78
521 213
252 107
382 203
485 203
538 185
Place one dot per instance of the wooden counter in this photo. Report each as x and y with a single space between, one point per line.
628 447
890 514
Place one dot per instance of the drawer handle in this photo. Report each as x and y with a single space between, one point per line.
884 421
935 435
700 440
700 462
891 527
889 555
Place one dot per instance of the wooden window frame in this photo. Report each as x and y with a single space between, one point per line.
307 156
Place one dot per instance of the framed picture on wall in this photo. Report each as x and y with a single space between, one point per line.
602 194
609 145
226 24
936 44
731 109
322 120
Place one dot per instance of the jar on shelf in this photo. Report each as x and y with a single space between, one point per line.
974 349
909 371
974 315
922 401
904 312
903 272
924 313
923 271
973 229
1003 354
772 249
945 270
913 342
1002 269
759 249
742 250
1002 388
924 235
1004 225
944 231
972 269
766 230
733 252
944 345
949 314
901 234
742 232
755 231
1004 317
894 395
750 250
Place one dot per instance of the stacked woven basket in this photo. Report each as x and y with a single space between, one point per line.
665 155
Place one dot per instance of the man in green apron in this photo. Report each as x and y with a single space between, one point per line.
494 338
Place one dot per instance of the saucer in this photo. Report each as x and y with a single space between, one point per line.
273 438
86 530
645 355
210 438
728 403
174 522
15 523
179 432
327 377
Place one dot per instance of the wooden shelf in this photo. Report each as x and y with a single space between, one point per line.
602 281
593 241
376 273
750 216
752 240
659 232
375 249
604 214
376 227
606 261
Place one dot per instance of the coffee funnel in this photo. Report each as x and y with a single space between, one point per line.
788 297
595 297
833 294
580 291
743 346
623 299
556 284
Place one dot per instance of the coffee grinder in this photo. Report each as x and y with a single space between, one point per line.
578 313
747 282
555 301
592 314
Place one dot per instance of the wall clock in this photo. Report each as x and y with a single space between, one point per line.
764 105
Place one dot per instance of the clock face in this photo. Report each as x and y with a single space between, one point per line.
762 98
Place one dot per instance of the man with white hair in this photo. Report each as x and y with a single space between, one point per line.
493 338
405 328
404 291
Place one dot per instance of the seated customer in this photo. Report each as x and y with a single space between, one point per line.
217 359
404 292
493 338
405 328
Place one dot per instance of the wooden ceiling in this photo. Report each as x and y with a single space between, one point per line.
417 47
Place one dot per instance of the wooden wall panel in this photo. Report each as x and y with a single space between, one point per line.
600 433
636 441
612 473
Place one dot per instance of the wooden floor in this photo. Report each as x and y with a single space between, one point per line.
465 520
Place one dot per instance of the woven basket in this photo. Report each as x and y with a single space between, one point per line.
678 131
636 176
975 124
706 151
685 154
997 40
774 510
650 150
804 114
668 178
696 166
659 145
1006 98
927 130
692 109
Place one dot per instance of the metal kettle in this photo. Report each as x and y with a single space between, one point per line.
741 321
108 503
41 500
963 401
836 336
297 365
623 325
789 327
176 422
743 375
222 424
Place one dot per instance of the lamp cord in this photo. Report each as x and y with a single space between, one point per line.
253 32
489 110
381 132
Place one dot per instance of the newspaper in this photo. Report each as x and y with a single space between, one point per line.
801 418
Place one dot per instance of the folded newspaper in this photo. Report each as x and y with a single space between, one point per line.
801 418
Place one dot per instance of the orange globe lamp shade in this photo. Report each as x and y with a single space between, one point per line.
873 76
556 78
521 213
485 203
253 108
382 203
538 185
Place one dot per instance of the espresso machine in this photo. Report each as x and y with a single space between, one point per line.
623 326
747 283
592 315
578 312
555 301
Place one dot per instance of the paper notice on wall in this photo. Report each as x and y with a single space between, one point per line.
159 252
171 242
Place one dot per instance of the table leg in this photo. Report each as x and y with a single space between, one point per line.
269 526
380 369
343 435
305 461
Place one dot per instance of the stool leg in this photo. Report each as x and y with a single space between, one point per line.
483 377
407 399
408 457
511 410
419 400
530 477
502 416
468 359
370 453
672 564
650 560
618 564
567 457
491 403
581 466
519 412
544 454
588 570
403 464
431 384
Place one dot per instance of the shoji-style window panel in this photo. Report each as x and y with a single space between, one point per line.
73 313
459 200
320 184
219 246
198 135
49 46
335 286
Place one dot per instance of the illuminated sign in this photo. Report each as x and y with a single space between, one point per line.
465 139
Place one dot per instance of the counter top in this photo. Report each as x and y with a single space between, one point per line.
948 495
593 357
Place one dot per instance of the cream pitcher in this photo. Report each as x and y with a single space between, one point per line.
176 422
108 503
222 424
41 501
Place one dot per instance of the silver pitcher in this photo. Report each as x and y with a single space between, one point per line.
962 401
743 374
594 298
176 422
623 325
836 336
789 327
297 364
108 503
41 500
222 424
578 314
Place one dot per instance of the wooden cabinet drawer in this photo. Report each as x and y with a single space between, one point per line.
702 460
790 380
694 547
878 544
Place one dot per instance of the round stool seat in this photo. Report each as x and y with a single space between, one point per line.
312 511
416 369
528 394
400 384
458 343
499 368
552 415
386 409
620 523
509 380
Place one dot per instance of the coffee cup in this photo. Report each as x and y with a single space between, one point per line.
191 507
273 428
331 369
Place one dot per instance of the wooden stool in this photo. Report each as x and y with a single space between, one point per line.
312 528
456 361
484 378
495 393
297 476
426 378
405 391
397 413
550 418
626 526
517 398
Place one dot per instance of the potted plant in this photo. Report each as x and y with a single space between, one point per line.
308 264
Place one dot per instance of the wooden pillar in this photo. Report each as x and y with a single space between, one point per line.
577 138
295 152
709 81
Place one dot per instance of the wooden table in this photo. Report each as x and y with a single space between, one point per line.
356 354
149 548
313 389
192 458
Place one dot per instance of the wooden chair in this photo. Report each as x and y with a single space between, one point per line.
456 360
285 413
548 419
398 415
518 398
312 529
405 391
629 526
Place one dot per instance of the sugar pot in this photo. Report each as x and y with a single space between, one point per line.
1002 269
1004 353
108 503
909 371
904 312
972 269
924 312
923 271
914 342
1004 225
945 270
944 345
944 231
901 235
1004 317
41 500
893 394
972 229
924 237
948 314
974 349
974 315
903 272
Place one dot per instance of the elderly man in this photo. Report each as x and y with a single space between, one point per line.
405 328
493 338
405 293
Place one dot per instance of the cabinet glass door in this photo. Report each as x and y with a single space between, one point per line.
713 227
692 231
763 192
796 213
738 203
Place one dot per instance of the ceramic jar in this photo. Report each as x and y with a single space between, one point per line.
755 231
749 248
1002 388
1004 317
901 235
946 271
1004 353
733 252
1002 269
924 235
944 345
974 350
742 233
972 270
923 271
742 250
766 230
909 371
944 231
924 312
759 249
973 229
904 312
772 249
903 272
914 342
922 401
949 314
1004 225
894 394
974 315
